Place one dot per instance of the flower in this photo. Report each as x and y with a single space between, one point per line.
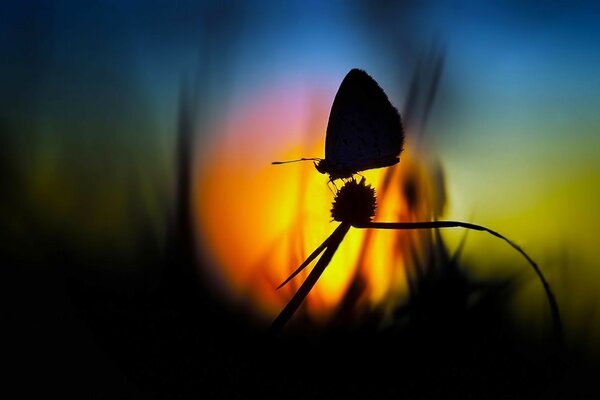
354 203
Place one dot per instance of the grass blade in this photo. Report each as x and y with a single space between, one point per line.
458 224
332 244
311 257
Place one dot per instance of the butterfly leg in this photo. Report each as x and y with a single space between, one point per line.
331 183
359 174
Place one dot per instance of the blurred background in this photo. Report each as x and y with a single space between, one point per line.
137 134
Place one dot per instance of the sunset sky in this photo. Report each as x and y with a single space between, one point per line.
89 97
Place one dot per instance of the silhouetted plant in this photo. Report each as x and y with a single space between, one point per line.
354 206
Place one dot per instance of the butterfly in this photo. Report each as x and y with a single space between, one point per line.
364 130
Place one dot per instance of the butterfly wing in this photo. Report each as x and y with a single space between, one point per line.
364 129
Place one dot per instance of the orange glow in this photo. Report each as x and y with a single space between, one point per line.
257 222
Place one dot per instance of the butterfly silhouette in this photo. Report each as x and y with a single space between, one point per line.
364 129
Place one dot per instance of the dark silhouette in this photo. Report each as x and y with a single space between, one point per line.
364 130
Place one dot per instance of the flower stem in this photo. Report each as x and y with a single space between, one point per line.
310 258
331 243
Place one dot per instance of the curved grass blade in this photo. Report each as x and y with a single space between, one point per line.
458 224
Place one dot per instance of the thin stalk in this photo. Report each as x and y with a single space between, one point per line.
458 224
311 257
332 243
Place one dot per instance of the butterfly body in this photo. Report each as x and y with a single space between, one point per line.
341 171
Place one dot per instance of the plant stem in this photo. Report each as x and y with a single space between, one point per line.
311 257
333 242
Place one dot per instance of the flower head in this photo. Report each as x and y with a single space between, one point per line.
354 203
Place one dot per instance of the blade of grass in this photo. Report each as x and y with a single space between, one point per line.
311 257
331 243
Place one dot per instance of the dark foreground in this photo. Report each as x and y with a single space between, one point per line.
96 336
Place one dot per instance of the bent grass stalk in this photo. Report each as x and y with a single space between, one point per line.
458 224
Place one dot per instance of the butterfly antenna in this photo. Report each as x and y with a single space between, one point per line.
291 161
